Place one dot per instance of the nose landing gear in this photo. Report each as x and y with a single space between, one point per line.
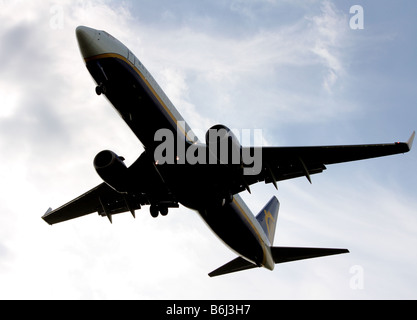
101 89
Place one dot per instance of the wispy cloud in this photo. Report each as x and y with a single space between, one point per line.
331 27
305 56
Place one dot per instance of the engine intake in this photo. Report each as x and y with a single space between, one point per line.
111 168
224 147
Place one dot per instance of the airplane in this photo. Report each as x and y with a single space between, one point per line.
199 176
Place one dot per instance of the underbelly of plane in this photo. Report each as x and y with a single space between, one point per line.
131 97
229 226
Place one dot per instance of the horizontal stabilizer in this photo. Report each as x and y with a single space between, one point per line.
238 264
287 254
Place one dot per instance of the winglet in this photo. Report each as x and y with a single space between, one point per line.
411 140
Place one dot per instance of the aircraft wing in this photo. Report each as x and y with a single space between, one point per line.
281 163
101 199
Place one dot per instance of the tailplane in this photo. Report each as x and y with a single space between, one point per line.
268 217
280 255
287 254
238 264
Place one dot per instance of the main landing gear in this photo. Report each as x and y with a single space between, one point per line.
155 210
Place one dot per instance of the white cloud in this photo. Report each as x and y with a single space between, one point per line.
331 27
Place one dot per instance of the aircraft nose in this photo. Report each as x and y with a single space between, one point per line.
86 38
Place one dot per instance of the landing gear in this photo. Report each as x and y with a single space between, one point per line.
226 199
163 211
101 89
155 210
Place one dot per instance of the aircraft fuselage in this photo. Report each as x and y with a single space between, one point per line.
134 94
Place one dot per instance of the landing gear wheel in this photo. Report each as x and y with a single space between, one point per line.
154 210
163 211
101 89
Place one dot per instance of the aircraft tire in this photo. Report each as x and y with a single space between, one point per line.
101 89
163 211
154 210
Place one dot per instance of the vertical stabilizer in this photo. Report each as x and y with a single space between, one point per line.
268 217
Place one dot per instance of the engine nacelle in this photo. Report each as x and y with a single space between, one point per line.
111 168
224 147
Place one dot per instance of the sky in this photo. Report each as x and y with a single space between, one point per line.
302 71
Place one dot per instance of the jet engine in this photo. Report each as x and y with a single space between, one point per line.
223 145
111 168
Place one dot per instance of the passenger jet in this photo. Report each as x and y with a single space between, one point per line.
205 177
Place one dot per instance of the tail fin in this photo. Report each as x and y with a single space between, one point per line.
268 217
